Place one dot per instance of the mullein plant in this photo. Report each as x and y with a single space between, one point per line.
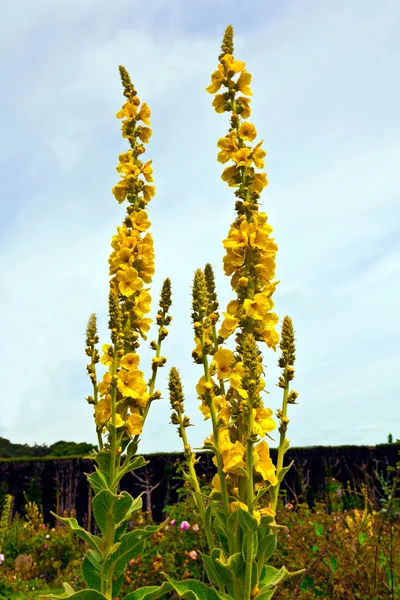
122 397
241 529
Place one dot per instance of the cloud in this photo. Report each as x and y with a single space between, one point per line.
326 103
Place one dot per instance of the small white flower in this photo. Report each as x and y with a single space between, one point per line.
47 537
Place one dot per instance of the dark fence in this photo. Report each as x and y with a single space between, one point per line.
60 485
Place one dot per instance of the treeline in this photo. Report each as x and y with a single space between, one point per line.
62 448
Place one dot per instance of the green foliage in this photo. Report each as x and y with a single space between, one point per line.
59 449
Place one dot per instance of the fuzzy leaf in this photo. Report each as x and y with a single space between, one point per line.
192 589
266 547
108 505
91 569
283 472
97 481
149 592
211 570
92 540
246 521
129 546
82 595
270 577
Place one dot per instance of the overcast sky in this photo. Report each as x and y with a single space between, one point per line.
326 101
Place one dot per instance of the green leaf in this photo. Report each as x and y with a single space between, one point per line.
266 547
192 589
107 505
103 459
82 595
283 472
92 540
362 537
270 577
97 481
149 592
129 546
130 465
91 569
222 537
265 594
319 530
211 570
246 521
334 564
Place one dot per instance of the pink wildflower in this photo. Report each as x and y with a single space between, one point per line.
193 554
195 527
185 525
173 522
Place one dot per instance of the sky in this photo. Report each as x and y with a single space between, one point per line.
325 100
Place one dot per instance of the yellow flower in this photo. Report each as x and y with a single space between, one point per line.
231 64
232 454
119 422
143 303
216 484
128 169
131 383
258 155
108 357
144 133
105 384
243 83
144 114
258 306
147 171
235 379
217 78
103 411
267 511
236 505
134 424
148 192
120 190
270 337
128 281
130 361
242 157
219 103
233 259
127 111
228 325
224 358
266 270
245 102
122 260
262 421
140 220
259 183
143 324
263 463
228 147
228 175
247 131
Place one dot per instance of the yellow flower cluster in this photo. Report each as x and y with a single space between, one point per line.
230 389
122 398
250 250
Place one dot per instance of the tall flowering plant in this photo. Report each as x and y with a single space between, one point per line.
241 531
122 397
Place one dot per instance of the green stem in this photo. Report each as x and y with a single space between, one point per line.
250 500
197 491
281 449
